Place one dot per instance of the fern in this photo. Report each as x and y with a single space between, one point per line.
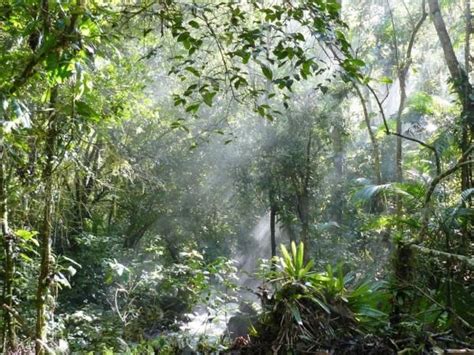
466 195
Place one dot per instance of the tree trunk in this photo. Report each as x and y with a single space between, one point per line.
466 173
373 139
8 330
403 276
461 84
338 150
134 234
273 212
469 31
84 183
402 262
303 202
403 67
403 96
291 233
45 276
304 216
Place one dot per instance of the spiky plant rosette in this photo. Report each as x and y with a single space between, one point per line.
310 311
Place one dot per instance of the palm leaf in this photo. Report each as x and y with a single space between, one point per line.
369 192
466 194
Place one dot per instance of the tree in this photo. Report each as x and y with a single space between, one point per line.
460 82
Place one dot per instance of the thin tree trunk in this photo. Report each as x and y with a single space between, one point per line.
8 330
402 262
338 149
469 31
273 212
403 67
304 216
111 214
399 153
373 139
303 202
449 271
467 180
44 279
291 232
466 172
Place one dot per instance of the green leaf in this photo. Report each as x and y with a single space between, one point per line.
386 80
85 110
286 256
296 314
371 312
193 107
307 268
71 261
25 234
193 71
193 24
321 304
246 58
358 62
183 37
26 258
293 250
208 97
267 72
306 68
371 191
299 256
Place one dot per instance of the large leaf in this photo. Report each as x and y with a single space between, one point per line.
369 192
467 194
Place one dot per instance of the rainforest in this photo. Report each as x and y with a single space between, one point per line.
236 177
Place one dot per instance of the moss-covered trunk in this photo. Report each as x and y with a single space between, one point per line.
8 326
45 276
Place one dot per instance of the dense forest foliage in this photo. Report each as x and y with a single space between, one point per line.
236 176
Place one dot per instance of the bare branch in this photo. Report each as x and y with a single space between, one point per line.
389 132
461 162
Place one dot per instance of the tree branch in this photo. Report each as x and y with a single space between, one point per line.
389 132
461 162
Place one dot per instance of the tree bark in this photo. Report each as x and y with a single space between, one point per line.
373 139
303 202
469 31
402 262
403 67
461 84
45 276
9 324
273 212
453 65
338 149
